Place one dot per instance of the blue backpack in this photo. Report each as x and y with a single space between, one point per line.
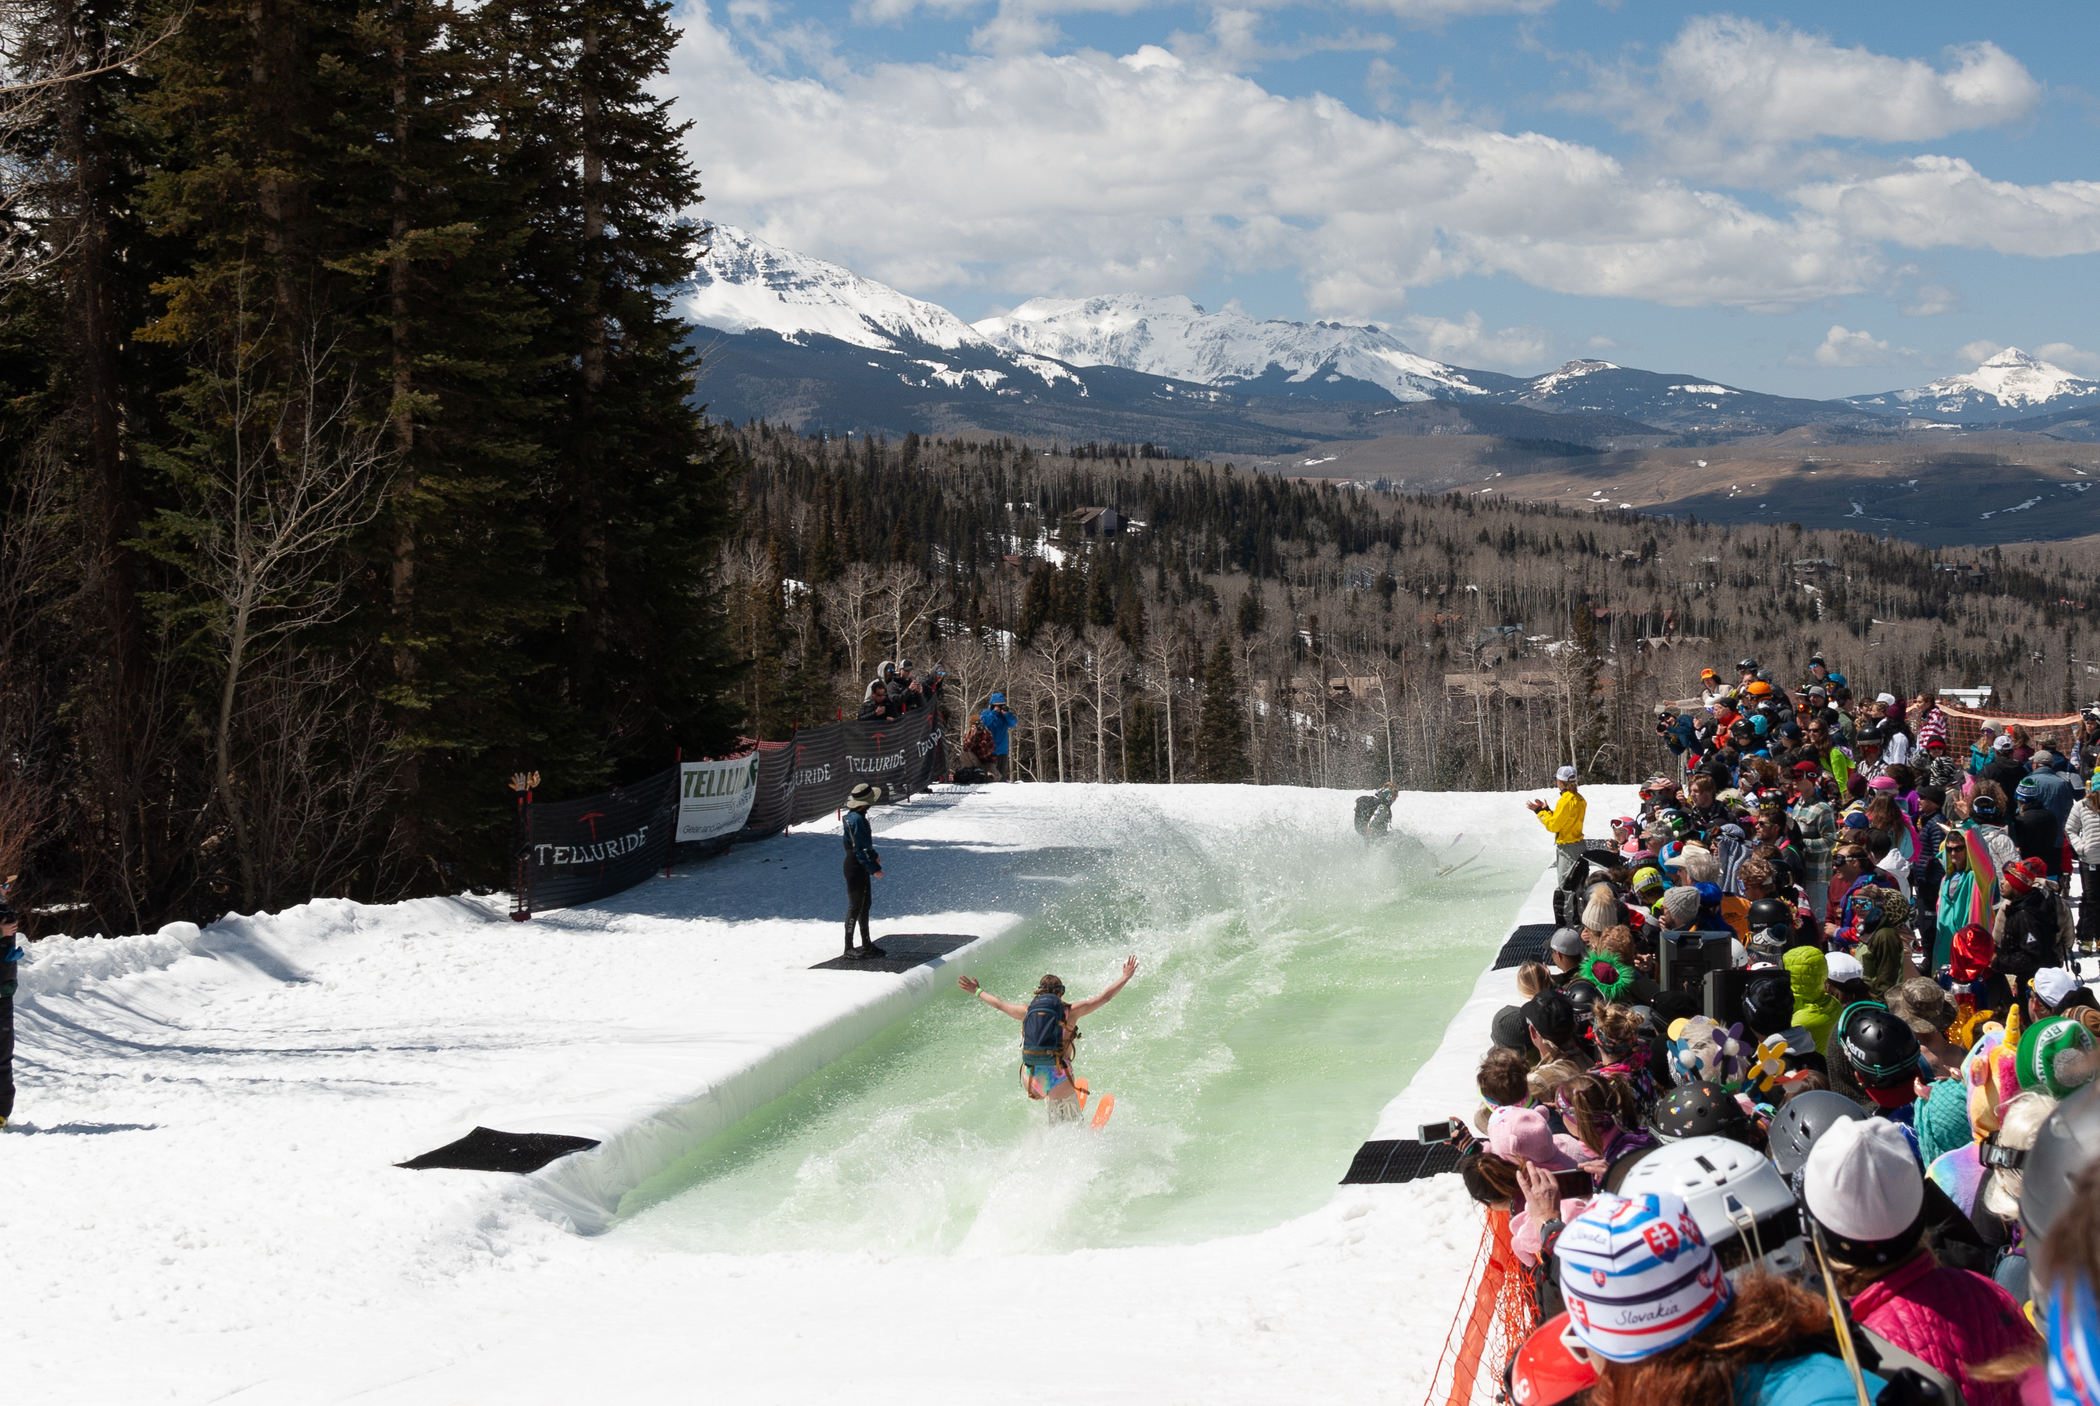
1043 1029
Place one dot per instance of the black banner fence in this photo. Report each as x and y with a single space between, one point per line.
574 851
571 852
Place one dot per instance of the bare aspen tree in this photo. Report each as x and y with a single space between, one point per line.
1107 661
280 478
1162 662
854 609
1052 664
905 600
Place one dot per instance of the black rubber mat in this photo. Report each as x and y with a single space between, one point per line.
1526 944
486 1150
1401 1159
906 950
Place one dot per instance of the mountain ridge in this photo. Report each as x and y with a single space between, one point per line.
815 341
2008 385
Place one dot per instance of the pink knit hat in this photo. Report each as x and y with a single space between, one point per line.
1515 1133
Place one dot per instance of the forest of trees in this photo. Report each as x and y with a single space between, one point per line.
348 460
1253 628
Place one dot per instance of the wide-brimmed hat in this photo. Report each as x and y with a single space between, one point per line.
863 796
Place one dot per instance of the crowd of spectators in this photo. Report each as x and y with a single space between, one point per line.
1798 1105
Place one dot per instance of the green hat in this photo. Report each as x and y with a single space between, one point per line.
1611 976
2055 1057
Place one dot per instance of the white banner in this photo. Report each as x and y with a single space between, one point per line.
714 798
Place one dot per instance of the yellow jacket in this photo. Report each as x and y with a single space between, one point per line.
1565 819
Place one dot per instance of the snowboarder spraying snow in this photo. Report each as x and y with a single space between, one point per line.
1374 813
1048 1029
862 865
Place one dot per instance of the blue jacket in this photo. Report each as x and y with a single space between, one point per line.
1684 736
998 724
2056 794
1817 1379
860 840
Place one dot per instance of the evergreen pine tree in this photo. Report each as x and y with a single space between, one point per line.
638 490
1220 749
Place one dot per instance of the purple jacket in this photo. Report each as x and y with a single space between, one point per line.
1950 1317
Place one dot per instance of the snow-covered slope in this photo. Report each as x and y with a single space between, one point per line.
746 284
2012 383
1178 339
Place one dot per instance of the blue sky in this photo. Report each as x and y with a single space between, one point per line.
1808 200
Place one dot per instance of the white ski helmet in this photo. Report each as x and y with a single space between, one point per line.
1741 1203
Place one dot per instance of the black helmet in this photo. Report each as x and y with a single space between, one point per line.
1771 913
1883 1050
1701 1109
1768 1003
2064 1146
1747 665
1583 997
1553 1016
1804 1118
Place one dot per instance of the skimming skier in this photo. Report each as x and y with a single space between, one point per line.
1048 1028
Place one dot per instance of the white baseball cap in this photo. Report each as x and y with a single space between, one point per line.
2052 984
1843 966
1566 773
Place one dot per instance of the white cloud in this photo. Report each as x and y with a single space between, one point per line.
1471 342
1937 201
1841 347
1932 299
1980 352
1029 173
1733 99
2070 357
1428 12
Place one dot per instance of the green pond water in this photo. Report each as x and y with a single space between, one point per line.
1288 987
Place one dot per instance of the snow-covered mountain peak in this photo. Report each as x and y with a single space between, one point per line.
1176 338
2019 380
746 284
2009 383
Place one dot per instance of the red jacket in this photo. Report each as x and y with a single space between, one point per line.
1950 1317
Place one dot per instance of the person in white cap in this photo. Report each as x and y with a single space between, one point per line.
2048 989
1563 819
1865 1193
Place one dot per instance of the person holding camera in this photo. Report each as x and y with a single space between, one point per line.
998 720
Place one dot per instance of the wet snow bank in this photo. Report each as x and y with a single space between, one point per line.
204 1208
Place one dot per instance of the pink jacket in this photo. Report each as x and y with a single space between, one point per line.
1950 1317
1524 1236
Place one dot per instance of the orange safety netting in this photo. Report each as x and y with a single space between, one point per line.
2053 730
1491 1323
